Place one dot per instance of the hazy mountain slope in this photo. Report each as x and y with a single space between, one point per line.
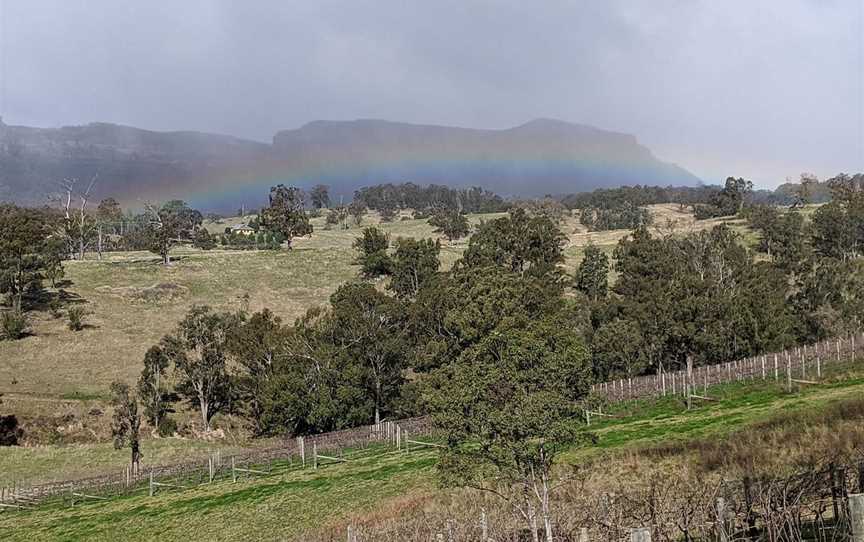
540 157
220 172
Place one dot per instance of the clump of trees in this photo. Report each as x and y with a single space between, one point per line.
729 201
31 251
451 223
638 195
320 196
626 216
426 199
26 253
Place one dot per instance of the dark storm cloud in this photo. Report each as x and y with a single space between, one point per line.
760 89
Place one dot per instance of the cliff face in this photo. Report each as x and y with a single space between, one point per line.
129 162
540 157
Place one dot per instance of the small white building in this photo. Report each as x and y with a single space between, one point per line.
243 229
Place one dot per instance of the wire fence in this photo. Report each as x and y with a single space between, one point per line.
800 365
803 365
300 452
821 504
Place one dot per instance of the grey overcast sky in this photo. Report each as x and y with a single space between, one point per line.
758 88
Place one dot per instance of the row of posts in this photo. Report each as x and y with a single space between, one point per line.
684 382
724 534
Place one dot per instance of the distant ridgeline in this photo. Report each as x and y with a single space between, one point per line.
220 173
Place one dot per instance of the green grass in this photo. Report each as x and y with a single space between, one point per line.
645 423
280 507
42 464
268 508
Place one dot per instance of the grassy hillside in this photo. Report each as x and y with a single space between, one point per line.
296 501
134 300
56 380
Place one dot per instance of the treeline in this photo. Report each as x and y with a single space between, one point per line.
624 207
427 199
638 195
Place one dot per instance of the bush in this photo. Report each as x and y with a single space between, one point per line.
375 264
388 214
203 240
167 426
372 247
76 318
54 308
10 433
13 324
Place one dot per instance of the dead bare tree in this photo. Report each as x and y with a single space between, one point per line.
78 226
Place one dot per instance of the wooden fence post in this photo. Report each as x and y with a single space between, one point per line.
776 375
689 384
151 482
233 472
856 516
314 455
722 536
642 534
484 528
301 443
788 373
803 365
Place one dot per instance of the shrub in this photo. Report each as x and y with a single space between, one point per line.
54 308
167 426
372 248
76 318
203 240
13 324
10 433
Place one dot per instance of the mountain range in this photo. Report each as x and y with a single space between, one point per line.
220 173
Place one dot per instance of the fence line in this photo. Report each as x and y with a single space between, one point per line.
824 503
807 362
799 365
19 495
